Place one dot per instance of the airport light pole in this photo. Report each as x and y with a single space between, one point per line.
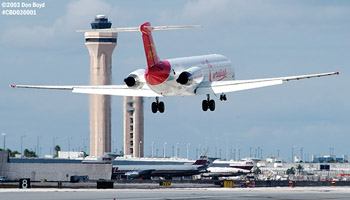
216 148
38 146
177 149
164 149
301 153
23 136
69 138
188 147
152 148
85 140
226 150
113 145
4 135
255 153
199 150
293 154
173 148
206 143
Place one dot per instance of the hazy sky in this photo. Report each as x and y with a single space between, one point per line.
262 38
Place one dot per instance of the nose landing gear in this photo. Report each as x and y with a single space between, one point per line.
158 106
208 104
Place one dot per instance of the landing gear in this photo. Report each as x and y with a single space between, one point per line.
158 106
205 105
208 104
223 97
211 105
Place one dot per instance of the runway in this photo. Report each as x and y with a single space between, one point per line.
178 193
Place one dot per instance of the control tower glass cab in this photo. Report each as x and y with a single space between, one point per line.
101 22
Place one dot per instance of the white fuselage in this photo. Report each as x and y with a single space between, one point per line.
204 70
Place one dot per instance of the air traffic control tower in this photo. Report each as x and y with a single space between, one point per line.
133 126
100 46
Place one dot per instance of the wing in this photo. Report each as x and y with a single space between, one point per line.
118 90
237 85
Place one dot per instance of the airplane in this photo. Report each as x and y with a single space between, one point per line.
217 172
221 168
246 164
208 75
168 171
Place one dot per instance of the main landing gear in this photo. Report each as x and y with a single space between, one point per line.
210 103
158 106
223 97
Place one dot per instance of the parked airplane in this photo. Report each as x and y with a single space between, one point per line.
196 75
146 171
224 168
216 172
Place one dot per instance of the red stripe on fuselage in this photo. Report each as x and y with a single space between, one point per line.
158 73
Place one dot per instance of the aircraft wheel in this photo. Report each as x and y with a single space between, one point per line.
161 107
211 105
204 105
154 107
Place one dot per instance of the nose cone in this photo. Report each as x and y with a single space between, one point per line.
158 73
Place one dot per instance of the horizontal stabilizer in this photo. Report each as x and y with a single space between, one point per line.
136 29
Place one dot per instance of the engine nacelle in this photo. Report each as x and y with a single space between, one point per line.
185 78
135 79
191 76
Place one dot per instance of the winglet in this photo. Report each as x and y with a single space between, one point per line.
337 73
13 86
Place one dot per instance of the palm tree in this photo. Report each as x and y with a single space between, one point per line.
300 168
13 153
57 149
29 154
291 171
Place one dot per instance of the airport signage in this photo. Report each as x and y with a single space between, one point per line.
165 183
229 184
24 183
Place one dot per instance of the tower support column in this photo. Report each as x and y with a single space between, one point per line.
100 46
133 126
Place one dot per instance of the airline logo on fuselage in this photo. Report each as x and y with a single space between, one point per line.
215 76
221 74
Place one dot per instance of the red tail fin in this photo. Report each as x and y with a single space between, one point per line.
203 160
150 49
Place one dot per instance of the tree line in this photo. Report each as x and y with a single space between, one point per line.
29 153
